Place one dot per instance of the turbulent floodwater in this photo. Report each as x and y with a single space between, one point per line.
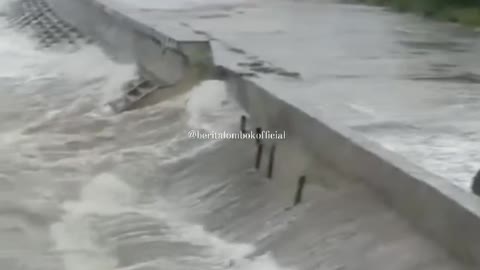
82 188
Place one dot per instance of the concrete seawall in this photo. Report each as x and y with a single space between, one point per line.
164 57
443 212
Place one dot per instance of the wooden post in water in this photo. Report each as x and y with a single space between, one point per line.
271 161
259 156
299 193
476 184
243 124
258 132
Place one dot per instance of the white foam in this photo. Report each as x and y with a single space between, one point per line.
204 101
25 63
74 240
21 55
104 195
107 189
9 138
363 109
264 262
4 4
229 254
218 247
210 107
84 62
116 79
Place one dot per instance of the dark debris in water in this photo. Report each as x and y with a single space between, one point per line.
258 66
419 52
348 76
236 50
213 16
465 77
387 125
442 67
248 74
448 46
46 26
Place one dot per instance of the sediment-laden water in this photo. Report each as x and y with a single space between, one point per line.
83 188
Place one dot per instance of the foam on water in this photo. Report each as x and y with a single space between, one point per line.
264 262
73 237
19 51
107 195
208 104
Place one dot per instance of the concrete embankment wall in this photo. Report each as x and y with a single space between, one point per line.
442 211
126 40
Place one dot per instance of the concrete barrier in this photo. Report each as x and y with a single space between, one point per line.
126 40
441 210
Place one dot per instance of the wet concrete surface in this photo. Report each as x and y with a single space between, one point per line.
406 82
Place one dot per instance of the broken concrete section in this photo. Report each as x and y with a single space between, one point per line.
134 91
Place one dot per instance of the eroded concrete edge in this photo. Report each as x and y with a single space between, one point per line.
441 210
